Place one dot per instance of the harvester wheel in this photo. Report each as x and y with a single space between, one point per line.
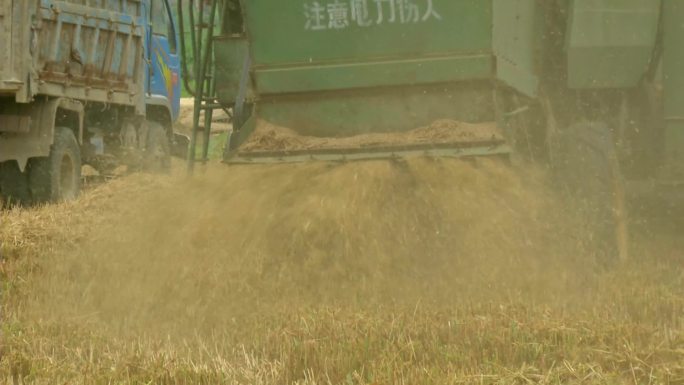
58 176
13 185
157 152
587 167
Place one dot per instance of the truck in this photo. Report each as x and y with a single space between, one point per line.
84 82
593 89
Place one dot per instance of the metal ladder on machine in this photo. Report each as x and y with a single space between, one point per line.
204 90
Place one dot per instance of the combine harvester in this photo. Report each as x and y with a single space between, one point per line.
594 87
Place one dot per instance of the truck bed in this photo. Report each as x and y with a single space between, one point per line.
87 50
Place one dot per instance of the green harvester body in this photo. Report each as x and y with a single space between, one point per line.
338 68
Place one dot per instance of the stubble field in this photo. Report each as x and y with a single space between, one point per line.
404 272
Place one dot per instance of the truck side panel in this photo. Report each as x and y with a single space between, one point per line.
91 52
5 40
14 54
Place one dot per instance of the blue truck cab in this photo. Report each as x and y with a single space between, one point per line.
162 47
94 82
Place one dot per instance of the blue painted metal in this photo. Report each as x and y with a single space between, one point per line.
163 49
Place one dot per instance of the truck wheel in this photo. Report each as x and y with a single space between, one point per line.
58 176
586 166
157 152
14 188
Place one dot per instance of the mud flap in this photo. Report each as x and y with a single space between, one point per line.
14 188
180 146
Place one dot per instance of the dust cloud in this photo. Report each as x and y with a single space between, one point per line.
179 256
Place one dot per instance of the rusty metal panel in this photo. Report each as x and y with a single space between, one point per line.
11 61
5 37
93 51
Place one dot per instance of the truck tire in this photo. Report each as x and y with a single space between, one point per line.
586 167
57 177
157 152
14 188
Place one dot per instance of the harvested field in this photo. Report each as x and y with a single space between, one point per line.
413 272
220 120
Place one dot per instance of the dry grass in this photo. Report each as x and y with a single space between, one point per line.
416 272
